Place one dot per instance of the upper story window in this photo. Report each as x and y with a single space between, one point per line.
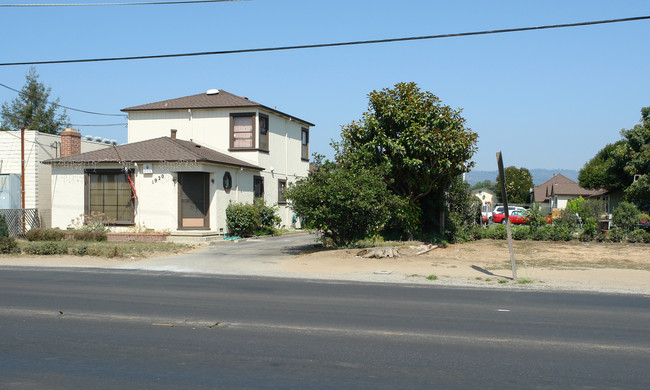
264 132
304 141
242 131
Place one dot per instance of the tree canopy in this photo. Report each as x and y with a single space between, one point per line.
519 182
420 144
624 165
32 109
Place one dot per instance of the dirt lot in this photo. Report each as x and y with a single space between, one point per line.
623 268
546 265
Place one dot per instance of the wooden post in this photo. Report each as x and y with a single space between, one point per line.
504 195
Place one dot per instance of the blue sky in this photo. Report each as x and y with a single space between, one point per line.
545 99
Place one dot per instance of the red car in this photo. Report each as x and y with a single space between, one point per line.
517 217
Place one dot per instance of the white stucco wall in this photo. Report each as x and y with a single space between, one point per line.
211 128
157 204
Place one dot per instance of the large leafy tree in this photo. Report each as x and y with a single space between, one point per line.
420 143
519 182
624 165
32 109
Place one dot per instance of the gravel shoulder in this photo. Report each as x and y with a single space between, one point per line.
613 268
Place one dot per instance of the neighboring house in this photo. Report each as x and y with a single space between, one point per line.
557 191
38 147
187 159
488 199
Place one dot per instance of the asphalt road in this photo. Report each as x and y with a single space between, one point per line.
62 329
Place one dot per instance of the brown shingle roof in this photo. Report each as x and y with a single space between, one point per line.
222 99
155 150
561 185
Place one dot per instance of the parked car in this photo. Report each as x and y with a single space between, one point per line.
499 210
517 217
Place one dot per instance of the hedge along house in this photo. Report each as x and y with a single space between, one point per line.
187 159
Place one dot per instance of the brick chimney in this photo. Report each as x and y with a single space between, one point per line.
70 142
174 133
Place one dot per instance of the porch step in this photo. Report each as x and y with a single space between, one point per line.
194 237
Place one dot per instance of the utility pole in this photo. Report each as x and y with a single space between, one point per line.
22 176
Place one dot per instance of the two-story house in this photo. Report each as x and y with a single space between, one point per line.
186 159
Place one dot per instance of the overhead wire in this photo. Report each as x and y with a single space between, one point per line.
335 44
66 107
117 4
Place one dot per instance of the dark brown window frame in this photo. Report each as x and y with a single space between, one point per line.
256 179
253 116
281 198
304 149
87 206
268 131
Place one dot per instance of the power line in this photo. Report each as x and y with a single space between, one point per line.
117 4
106 125
66 107
321 45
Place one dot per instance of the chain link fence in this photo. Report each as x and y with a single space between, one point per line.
20 221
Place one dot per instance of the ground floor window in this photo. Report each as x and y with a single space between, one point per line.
258 186
109 197
282 186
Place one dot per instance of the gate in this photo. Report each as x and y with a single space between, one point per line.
20 221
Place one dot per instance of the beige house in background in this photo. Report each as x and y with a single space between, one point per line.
557 191
186 159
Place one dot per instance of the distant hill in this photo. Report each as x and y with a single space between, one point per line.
539 175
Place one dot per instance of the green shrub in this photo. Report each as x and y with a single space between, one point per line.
541 233
521 233
8 245
638 236
626 216
79 250
560 233
242 219
463 212
589 230
90 235
46 248
45 234
346 205
4 228
616 235
497 232
268 216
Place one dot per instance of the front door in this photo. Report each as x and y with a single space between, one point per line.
194 200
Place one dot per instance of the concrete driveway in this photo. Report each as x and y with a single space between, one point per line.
256 256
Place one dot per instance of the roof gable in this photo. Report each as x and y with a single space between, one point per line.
155 150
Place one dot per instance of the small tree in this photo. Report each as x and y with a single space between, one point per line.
464 210
343 204
32 110
519 182
626 216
